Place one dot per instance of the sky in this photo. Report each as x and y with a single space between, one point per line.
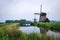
25 9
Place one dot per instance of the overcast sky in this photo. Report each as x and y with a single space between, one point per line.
25 9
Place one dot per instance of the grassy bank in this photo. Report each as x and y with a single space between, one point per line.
10 32
54 26
18 35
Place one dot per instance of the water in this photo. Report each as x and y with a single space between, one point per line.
30 29
55 34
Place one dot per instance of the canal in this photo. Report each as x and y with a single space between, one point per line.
30 29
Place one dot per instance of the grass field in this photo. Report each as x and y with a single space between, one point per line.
9 31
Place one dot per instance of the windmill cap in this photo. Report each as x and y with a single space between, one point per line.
43 14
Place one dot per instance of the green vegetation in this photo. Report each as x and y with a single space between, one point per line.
22 22
54 26
18 35
9 31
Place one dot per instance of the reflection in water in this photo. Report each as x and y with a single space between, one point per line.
30 29
55 34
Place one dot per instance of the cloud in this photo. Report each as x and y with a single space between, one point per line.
18 9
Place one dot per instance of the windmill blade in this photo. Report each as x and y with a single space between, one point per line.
37 13
40 12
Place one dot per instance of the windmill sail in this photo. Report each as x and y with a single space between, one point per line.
40 12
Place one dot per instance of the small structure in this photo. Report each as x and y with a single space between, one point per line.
35 20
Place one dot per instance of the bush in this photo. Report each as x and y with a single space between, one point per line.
55 26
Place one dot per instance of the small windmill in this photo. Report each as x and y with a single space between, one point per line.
38 13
